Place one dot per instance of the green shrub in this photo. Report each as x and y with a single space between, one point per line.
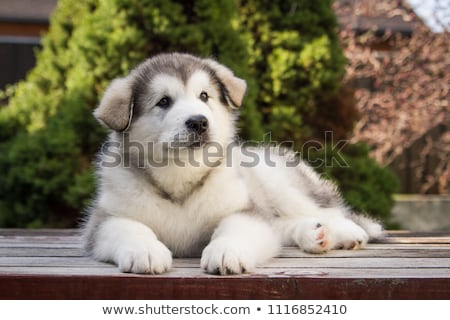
286 50
295 54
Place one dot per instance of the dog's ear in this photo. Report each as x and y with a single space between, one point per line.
115 108
235 86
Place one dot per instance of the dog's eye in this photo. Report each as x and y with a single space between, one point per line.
164 102
204 96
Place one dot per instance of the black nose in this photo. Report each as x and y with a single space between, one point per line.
198 124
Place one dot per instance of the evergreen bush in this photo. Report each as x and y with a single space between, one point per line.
295 54
286 50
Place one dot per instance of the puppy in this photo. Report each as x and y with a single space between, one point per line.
172 181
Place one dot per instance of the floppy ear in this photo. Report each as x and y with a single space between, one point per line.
235 86
115 108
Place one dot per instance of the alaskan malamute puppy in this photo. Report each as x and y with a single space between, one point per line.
172 181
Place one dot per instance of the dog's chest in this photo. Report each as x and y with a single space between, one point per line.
186 227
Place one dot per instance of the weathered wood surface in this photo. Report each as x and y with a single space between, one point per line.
50 264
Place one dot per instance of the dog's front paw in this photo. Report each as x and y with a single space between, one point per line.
152 257
311 236
224 256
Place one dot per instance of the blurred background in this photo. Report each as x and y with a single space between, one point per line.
374 73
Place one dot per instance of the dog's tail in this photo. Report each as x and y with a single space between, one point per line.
373 228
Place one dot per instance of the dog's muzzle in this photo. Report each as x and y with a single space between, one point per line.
197 133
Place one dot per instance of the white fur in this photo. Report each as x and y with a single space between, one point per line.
233 248
135 248
236 219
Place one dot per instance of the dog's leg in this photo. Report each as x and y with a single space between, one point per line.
238 245
132 246
322 232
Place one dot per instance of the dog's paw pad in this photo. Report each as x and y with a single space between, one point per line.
226 258
323 243
351 245
312 236
154 258
320 235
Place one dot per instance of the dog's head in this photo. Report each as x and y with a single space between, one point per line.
177 99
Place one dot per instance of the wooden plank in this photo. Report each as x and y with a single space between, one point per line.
402 246
135 287
416 237
53 245
38 232
348 263
41 252
269 272
74 240
445 240
412 234
373 252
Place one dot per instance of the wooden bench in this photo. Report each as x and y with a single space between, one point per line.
49 264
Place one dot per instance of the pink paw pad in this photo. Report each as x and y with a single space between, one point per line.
321 241
320 236
313 237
